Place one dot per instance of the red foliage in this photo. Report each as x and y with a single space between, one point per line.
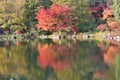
54 19
56 56
96 11
102 26
101 11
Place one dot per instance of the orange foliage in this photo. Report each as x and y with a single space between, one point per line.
107 13
112 23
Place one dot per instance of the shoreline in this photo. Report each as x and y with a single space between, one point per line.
80 36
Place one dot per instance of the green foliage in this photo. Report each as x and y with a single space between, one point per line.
12 14
43 32
116 7
32 7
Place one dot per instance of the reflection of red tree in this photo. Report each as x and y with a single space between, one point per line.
109 53
109 56
56 56
46 57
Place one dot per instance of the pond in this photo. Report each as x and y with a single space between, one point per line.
59 60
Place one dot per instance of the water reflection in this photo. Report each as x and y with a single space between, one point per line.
12 59
111 57
58 57
59 60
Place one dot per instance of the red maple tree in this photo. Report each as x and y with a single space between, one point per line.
56 18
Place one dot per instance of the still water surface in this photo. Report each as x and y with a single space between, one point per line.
59 60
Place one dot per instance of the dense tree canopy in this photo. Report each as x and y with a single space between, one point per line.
80 11
20 14
12 14
56 18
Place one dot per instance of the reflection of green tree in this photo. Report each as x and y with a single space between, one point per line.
84 59
117 67
13 60
110 75
68 75
34 71
19 61
83 62
86 52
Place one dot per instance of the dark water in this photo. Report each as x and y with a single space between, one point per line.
59 60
